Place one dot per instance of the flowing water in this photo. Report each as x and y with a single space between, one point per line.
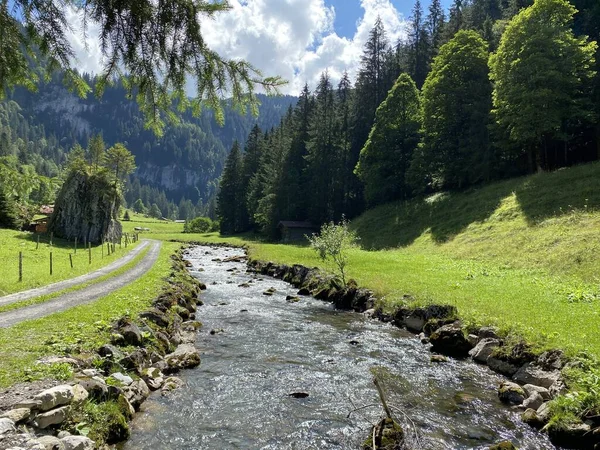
269 348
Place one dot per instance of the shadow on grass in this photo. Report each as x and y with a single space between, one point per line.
445 215
44 239
565 191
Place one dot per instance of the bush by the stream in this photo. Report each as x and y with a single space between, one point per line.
199 225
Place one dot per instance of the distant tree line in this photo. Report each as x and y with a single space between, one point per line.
498 88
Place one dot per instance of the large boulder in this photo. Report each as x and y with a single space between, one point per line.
52 417
184 356
484 349
87 208
532 373
56 396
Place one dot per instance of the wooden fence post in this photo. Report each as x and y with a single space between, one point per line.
38 242
102 245
50 263
20 266
71 259
90 252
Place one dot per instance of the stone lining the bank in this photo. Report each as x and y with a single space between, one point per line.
536 379
111 384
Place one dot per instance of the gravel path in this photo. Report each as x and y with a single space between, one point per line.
71 282
85 295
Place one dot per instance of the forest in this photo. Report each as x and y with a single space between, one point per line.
493 90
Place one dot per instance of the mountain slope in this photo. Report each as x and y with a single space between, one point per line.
186 161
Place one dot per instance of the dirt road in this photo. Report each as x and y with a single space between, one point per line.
81 296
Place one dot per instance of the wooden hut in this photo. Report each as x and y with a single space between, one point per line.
295 231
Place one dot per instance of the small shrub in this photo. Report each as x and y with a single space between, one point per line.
126 217
333 243
198 225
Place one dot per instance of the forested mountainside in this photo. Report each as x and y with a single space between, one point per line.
39 129
493 89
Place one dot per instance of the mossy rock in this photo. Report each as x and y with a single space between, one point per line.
504 445
389 435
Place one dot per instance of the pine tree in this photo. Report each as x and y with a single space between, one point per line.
435 24
344 99
456 109
322 157
95 151
230 199
385 158
419 45
292 202
251 164
542 78
370 91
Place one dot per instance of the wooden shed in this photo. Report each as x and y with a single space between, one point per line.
295 231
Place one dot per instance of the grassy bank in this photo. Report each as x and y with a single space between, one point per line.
520 254
36 260
78 329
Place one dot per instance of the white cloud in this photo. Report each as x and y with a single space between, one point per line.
291 38
84 42
295 38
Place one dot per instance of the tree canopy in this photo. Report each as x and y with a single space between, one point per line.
155 47
542 77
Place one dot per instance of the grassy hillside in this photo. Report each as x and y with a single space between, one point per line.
549 221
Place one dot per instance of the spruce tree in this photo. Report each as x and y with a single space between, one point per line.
385 158
419 45
322 157
251 164
230 199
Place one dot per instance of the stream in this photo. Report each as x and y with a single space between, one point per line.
238 398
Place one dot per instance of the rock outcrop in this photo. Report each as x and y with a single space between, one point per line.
87 208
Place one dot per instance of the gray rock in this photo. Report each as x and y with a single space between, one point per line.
97 389
450 340
123 379
487 332
79 394
184 356
473 339
171 384
110 351
29 403
531 373
415 323
544 393
543 412
17 415
511 393
56 396
52 417
136 393
131 333
51 443
6 426
90 372
78 443
500 366
534 401
484 349
63 434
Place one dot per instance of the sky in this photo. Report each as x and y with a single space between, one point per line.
295 39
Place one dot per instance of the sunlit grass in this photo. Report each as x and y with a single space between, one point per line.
82 328
36 262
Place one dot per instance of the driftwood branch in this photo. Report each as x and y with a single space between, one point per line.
382 398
